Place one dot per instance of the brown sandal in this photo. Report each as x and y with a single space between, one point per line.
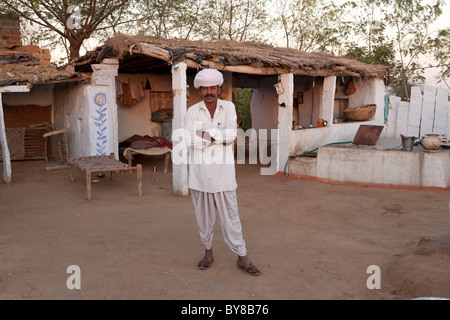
205 263
251 269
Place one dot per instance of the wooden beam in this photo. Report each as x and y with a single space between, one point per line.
143 65
189 59
7 89
259 70
151 51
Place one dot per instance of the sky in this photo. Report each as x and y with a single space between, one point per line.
441 23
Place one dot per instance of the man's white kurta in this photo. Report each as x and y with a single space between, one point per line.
211 166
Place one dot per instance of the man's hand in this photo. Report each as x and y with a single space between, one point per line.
205 135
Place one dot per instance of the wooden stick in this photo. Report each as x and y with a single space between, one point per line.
88 183
139 179
52 133
64 166
166 162
71 172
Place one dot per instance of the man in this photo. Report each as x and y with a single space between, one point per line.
212 125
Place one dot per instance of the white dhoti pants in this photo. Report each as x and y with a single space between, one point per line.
225 204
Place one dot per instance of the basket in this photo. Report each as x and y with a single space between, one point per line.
361 113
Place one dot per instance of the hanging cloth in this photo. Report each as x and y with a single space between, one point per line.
127 101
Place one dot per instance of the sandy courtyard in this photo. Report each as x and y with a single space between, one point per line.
311 240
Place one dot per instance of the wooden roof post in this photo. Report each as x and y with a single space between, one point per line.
5 149
179 153
327 102
285 89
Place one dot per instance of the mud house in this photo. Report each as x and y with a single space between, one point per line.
26 95
304 97
291 89
133 76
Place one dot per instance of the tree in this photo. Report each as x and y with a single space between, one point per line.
368 42
74 21
309 24
367 24
240 20
441 51
169 18
410 21
396 33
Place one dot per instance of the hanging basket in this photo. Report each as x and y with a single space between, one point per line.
361 113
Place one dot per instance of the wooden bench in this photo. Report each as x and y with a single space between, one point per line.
166 151
91 164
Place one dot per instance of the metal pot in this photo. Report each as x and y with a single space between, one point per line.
408 142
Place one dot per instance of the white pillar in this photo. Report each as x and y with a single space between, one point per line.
3 141
103 122
440 114
5 149
326 109
285 102
415 113
429 97
179 168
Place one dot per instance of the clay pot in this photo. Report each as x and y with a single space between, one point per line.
430 142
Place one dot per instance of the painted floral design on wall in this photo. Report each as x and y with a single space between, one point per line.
101 122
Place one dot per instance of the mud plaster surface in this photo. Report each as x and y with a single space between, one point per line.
311 240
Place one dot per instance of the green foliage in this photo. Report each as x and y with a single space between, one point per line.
410 21
73 21
243 99
394 33
295 17
380 54
441 46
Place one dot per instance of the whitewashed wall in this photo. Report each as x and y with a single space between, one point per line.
427 112
89 112
137 118
71 113
367 92
40 95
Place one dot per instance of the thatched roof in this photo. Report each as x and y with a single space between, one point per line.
145 53
20 67
20 74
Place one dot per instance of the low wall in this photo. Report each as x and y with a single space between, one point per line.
369 165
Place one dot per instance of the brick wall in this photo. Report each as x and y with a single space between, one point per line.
43 55
10 38
9 31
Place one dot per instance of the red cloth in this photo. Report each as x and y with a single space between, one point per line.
162 142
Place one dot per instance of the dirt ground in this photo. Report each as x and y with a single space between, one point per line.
311 240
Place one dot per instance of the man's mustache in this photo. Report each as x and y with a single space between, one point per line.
210 95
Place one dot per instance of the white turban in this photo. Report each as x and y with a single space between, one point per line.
208 78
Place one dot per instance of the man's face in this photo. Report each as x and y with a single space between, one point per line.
209 94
